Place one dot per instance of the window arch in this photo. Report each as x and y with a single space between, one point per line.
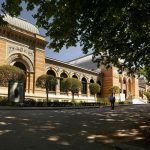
74 76
84 86
91 81
51 72
21 66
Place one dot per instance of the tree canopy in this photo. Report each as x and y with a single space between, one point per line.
10 73
112 29
94 88
44 81
73 85
114 89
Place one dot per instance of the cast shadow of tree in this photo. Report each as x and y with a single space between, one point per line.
73 129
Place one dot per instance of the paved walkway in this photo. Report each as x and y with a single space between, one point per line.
126 128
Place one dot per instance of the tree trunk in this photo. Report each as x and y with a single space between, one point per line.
47 93
72 97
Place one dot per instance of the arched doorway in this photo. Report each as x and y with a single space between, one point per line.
21 66
84 86
91 81
62 76
27 65
129 88
52 88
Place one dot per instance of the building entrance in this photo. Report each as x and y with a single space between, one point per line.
22 67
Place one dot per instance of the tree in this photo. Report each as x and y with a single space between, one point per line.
10 73
46 81
94 88
73 85
147 94
146 72
114 29
114 89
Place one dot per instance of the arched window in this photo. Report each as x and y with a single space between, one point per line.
129 85
51 72
51 86
91 81
62 76
74 76
84 86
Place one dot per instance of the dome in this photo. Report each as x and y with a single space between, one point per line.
20 23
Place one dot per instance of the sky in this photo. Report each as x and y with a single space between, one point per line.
64 54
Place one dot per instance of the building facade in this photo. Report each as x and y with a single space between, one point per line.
22 45
111 77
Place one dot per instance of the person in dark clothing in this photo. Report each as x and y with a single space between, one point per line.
112 101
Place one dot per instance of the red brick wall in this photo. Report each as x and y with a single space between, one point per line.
2 52
107 81
39 63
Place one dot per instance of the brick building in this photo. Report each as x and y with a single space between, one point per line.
22 45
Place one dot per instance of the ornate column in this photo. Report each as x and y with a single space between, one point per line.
127 90
27 83
88 90
32 84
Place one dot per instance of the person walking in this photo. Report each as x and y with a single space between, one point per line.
112 101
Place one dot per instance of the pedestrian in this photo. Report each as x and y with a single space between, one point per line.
112 101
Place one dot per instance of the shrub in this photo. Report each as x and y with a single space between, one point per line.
121 102
3 101
104 101
8 73
114 89
94 88
45 80
147 94
30 102
73 85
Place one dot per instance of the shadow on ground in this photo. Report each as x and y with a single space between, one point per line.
89 129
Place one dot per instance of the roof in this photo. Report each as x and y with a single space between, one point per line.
74 66
83 56
22 24
85 62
